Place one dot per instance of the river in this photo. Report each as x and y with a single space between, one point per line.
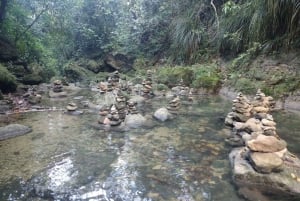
184 159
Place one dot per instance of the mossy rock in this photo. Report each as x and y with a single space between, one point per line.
76 73
32 79
8 81
94 66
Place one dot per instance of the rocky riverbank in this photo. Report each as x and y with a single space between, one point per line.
260 160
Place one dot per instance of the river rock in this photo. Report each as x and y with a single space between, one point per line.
267 122
135 120
253 125
162 114
280 184
266 162
13 130
266 144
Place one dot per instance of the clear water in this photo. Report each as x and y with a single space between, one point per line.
65 158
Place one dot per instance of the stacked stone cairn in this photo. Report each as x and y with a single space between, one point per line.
115 78
183 90
102 87
255 130
121 105
262 103
57 86
147 85
132 107
32 97
113 116
110 85
174 105
71 107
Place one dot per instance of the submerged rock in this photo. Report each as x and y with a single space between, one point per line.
13 130
135 120
162 114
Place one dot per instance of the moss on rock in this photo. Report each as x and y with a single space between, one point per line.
8 81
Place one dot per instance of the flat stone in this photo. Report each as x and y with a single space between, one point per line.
266 162
260 109
13 130
253 125
266 144
267 122
134 120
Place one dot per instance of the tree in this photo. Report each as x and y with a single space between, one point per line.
3 6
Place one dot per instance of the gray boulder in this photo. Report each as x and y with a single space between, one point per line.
162 114
13 130
135 120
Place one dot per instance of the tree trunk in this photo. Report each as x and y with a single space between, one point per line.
2 10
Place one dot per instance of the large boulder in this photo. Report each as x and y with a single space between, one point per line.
135 120
266 162
118 62
162 114
13 130
283 185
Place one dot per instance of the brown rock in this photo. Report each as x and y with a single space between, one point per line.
267 122
266 144
253 125
266 162
260 109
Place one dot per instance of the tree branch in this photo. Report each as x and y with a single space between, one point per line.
32 23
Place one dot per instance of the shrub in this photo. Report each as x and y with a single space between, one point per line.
246 86
8 81
171 76
206 76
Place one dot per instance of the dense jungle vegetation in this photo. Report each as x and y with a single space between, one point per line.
207 40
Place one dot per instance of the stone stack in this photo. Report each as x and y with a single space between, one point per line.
147 85
174 105
57 86
121 105
262 103
110 85
71 107
115 78
241 108
266 153
183 90
261 161
113 116
104 111
102 87
132 108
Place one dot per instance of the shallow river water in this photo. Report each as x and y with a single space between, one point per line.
184 159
